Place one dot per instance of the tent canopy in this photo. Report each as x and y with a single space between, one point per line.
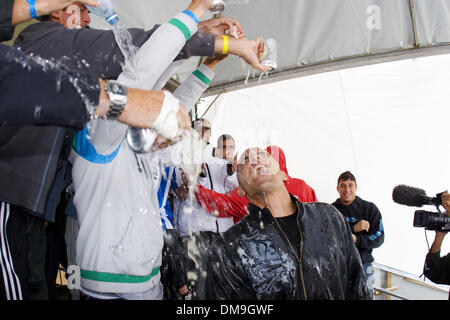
314 35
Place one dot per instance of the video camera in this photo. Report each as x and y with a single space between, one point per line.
415 197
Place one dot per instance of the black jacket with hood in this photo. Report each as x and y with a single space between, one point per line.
254 261
31 155
437 268
366 241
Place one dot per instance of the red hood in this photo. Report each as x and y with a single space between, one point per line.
278 154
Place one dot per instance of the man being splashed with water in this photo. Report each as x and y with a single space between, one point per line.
283 249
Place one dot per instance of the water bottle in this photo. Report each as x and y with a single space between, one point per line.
105 9
217 7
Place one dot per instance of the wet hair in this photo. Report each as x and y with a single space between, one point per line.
224 137
347 175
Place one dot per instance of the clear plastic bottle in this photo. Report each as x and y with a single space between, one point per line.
267 53
105 9
267 49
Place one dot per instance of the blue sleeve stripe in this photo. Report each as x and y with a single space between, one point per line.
86 150
378 233
190 14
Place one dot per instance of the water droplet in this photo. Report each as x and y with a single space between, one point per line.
37 112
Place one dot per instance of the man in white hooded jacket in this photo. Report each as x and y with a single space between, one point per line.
120 239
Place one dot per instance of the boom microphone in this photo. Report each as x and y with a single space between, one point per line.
413 197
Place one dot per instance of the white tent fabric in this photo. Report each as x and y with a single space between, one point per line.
387 123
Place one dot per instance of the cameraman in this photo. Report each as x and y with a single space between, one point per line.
437 268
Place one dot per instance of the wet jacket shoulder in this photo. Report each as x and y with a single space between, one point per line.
6 28
29 155
24 103
95 51
253 260
90 50
437 268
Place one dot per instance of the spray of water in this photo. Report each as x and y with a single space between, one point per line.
30 62
187 153
129 50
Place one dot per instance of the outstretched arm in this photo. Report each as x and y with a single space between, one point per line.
21 9
224 205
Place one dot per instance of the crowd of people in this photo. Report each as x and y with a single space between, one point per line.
137 226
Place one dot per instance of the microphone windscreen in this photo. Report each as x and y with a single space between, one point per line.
410 196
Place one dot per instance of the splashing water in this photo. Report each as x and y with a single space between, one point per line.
262 76
187 153
128 49
30 61
248 75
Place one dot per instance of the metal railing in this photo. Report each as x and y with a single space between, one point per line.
387 291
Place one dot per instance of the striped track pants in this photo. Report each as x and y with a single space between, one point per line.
10 288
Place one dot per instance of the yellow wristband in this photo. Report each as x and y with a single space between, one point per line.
225 45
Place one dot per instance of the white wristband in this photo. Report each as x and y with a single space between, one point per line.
166 124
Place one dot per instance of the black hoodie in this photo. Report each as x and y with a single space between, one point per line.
358 210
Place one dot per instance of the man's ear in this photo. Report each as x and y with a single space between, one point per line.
241 192
284 176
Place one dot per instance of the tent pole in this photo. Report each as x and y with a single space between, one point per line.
414 23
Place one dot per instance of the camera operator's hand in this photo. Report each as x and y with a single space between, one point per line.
439 237
446 201
437 243
362 225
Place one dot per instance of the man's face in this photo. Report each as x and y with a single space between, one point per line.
258 171
347 191
226 149
75 16
206 134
